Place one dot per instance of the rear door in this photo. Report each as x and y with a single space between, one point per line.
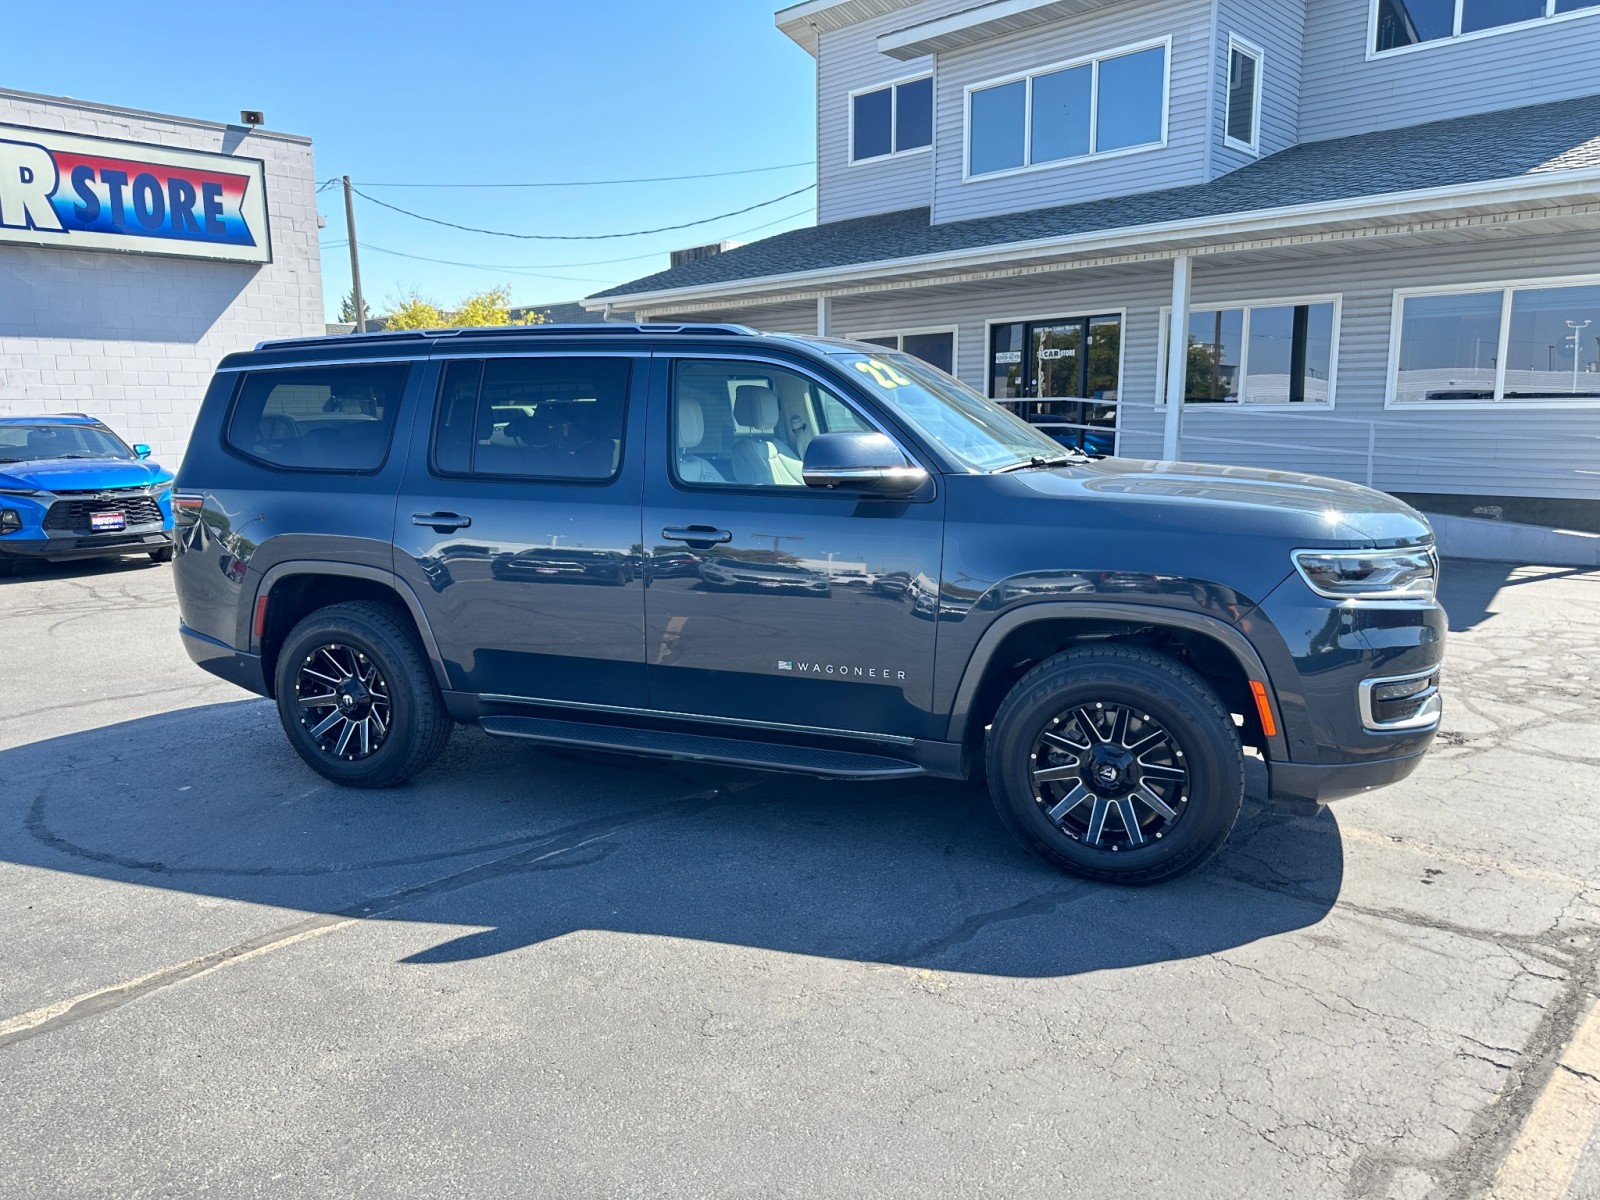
771 602
518 523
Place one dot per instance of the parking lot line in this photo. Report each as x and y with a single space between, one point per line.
1545 1156
1463 858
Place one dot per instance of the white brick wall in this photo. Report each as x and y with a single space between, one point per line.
133 338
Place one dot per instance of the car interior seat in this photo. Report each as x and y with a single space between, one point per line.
691 431
760 457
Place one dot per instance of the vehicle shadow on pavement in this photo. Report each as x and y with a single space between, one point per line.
518 846
1468 588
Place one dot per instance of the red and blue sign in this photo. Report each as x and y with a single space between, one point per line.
74 192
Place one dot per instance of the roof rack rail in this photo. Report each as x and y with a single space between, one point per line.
591 329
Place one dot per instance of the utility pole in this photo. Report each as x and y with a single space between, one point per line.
355 259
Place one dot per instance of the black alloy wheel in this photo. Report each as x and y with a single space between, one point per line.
1116 763
357 696
1110 776
344 702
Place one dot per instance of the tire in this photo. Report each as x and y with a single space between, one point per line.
1194 769
7 565
163 555
406 729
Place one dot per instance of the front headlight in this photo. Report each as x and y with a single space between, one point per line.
160 489
20 492
1370 574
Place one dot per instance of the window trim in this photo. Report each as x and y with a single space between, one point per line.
1508 290
1028 166
1550 17
1238 45
672 360
893 86
483 360
953 330
245 371
1165 332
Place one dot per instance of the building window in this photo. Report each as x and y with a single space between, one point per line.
1261 353
1398 24
1244 96
936 347
1105 105
1062 375
1538 344
896 119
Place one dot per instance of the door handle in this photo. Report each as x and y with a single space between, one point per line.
697 535
441 522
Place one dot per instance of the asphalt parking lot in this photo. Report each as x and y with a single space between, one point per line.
533 974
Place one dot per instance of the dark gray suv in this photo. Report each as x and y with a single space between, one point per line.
797 554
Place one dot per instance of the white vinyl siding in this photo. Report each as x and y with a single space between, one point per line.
1181 159
1278 31
1482 450
1346 90
848 63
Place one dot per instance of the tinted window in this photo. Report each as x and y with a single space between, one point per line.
997 128
1407 22
548 418
1132 99
1061 104
1242 75
319 418
874 124
1486 14
1448 347
914 115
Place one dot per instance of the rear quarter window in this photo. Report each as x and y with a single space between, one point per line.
338 418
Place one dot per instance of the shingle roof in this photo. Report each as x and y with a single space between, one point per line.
565 312
1458 152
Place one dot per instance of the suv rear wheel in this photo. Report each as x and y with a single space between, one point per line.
1116 763
356 697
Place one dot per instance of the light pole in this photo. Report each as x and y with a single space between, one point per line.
1576 339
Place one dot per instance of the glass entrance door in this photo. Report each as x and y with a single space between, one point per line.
1063 376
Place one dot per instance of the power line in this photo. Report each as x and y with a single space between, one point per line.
445 262
602 182
531 267
588 237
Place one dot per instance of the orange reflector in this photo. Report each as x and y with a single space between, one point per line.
261 616
1263 708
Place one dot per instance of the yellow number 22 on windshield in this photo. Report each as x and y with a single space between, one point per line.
883 374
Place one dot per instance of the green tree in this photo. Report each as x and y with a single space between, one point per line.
486 308
347 308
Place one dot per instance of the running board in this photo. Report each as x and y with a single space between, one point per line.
737 752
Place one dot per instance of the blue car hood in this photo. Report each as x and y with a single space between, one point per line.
82 474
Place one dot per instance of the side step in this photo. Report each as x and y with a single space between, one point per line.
763 756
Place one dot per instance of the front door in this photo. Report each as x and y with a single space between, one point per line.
1063 376
769 601
518 525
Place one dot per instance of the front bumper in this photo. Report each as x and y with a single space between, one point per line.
223 661
89 545
1317 783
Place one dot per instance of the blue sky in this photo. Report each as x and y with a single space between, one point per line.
478 91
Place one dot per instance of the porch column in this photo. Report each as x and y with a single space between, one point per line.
1177 356
824 316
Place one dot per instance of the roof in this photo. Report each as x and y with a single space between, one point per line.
53 419
1513 144
564 312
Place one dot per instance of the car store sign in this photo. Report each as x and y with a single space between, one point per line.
82 193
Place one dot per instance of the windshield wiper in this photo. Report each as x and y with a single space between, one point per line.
1038 463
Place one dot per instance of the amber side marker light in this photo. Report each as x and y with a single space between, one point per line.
1263 708
261 618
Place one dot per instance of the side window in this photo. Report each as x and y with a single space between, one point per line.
537 418
748 424
319 418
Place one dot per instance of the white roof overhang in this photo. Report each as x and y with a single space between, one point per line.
1559 194
980 23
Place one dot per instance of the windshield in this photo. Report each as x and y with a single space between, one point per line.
35 443
977 433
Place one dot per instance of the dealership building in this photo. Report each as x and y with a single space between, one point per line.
136 249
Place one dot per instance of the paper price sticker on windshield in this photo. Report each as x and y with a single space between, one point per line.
883 374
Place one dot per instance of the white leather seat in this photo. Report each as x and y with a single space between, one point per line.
691 431
760 457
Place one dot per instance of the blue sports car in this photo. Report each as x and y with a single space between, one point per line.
70 488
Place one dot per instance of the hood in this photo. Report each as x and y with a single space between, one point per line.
1313 509
82 474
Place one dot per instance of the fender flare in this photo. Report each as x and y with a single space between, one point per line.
283 570
1143 614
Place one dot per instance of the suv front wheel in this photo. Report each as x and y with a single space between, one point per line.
1116 763
357 698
